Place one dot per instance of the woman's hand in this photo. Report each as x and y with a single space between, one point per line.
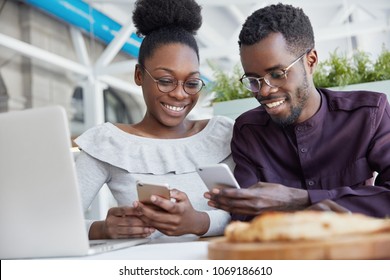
173 217
121 222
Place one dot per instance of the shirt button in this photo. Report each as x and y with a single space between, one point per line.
299 128
311 183
303 150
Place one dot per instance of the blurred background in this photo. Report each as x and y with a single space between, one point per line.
81 54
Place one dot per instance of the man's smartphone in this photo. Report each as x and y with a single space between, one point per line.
217 174
145 190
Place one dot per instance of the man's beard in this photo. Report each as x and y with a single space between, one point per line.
302 95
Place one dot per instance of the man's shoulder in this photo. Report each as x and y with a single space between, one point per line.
257 116
352 100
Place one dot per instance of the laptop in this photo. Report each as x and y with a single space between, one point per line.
40 205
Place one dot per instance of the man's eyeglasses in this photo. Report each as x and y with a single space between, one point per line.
166 84
273 79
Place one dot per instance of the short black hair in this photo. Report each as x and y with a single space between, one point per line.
291 22
164 22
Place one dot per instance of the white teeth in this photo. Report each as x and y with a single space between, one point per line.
174 108
274 104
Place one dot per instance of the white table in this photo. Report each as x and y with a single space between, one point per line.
166 248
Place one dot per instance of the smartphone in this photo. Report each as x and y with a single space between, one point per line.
145 190
217 174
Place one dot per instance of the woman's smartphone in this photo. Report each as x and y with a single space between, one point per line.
145 190
217 174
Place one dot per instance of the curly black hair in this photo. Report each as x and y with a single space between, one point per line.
163 22
291 22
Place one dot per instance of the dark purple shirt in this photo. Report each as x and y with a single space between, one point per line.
332 155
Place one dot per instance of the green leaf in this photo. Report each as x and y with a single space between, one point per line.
226 85
340 70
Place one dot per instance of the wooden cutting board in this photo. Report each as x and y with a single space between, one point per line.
369 246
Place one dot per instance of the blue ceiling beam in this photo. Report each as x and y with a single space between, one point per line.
82 15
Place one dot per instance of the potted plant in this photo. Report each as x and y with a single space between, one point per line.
357 72
230 97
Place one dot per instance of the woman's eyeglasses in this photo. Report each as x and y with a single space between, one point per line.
166 84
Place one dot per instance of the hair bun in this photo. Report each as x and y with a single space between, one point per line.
150 15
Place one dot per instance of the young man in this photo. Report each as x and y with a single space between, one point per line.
303 145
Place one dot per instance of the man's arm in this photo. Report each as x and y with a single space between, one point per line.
369 200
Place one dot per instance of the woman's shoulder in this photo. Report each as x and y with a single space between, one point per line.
102 138
99 131
222 120
220 125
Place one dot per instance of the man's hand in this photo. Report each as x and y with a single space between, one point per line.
258 198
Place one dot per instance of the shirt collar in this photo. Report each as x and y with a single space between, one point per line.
316 121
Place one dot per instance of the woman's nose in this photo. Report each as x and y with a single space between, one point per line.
178 92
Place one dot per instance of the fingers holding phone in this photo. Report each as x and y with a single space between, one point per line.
120 222
146 190
151 194
178 218
217 176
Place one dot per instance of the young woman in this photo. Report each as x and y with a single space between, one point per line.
165 146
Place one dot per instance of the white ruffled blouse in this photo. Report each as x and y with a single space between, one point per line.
116 158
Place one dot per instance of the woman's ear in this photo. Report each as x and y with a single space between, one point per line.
138 75
312 60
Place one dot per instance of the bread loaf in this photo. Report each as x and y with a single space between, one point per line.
302 225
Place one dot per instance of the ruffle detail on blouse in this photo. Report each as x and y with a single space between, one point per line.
144 155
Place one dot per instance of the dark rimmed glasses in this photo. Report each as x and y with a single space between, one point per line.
191 86
273 79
